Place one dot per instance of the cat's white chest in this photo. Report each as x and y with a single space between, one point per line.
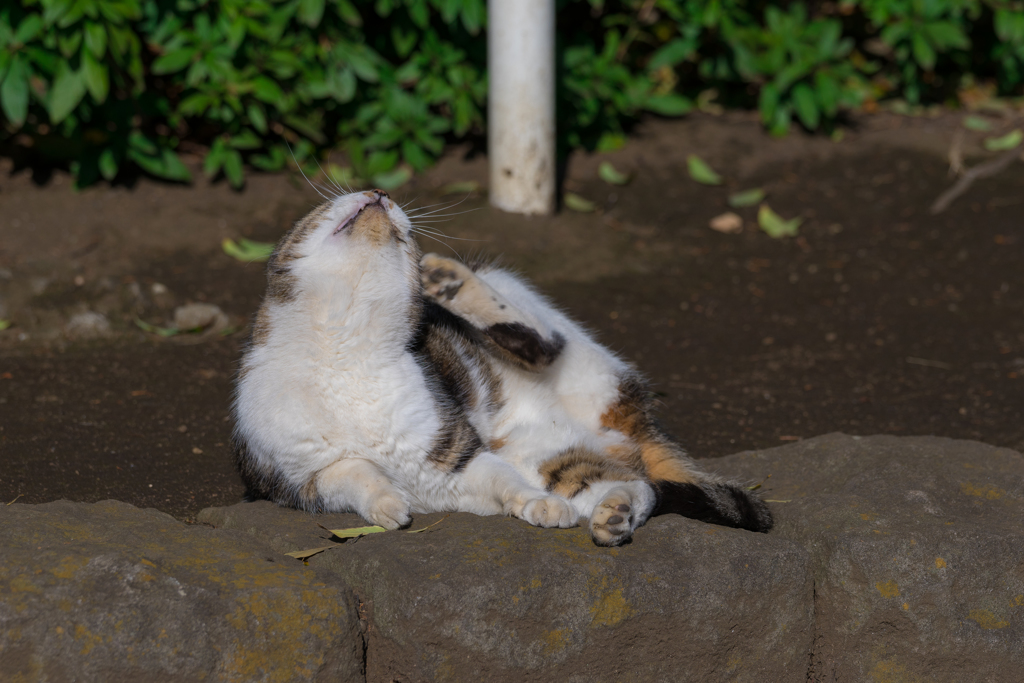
387 408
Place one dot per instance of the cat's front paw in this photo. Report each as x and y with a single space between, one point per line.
549 511
389 511
611 523
442 278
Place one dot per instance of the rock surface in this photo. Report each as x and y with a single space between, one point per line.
107 592
893 559
493 598
918 553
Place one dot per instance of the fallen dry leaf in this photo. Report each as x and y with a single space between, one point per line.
728 223
303 554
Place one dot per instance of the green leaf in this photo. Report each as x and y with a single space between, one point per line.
977 123
140 143
356 532
404 41
827 92
233 168
108 164
805 106
247 250
65 94
669 105
257 118
414 155
165 164
924 55
96 39
175 60
461 187
349 14
671 53
574 202
310 12
392 179
28 29
245 140
4 324
14 92
607 173
306 128
768 103
1006 142
776 226
162 331
96 78
701 172
746 198
610 141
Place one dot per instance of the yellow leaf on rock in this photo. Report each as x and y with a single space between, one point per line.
303 554
356 532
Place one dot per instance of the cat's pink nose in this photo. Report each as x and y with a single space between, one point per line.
380 193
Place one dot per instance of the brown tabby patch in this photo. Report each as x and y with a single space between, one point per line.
573 470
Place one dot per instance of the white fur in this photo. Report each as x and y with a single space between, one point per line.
334 394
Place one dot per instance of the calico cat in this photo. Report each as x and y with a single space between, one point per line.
385 383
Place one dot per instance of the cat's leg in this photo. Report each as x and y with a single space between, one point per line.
360 486
489 486
615 498
515 334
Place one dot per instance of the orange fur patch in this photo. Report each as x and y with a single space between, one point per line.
662 464
661 459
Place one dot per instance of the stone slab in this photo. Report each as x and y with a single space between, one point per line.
492 598
107 592
918 553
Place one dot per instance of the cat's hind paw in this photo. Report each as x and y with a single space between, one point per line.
549 511
611 523
390 512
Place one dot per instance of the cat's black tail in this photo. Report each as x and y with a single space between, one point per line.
716 503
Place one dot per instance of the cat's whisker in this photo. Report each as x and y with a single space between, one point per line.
450 206
440 216
305 177
405 204
331 179
326 175
439 235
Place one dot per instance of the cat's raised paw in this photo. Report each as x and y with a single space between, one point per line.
442 278
611 523
550 511
390 512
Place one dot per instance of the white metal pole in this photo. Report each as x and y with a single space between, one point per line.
521 104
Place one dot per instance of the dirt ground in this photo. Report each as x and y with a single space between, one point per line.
879 318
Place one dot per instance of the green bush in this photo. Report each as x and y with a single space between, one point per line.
106 84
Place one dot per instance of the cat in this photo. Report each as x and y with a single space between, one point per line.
386 383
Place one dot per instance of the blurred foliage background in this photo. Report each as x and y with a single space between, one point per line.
107 85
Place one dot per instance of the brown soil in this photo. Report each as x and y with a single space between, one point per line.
880 318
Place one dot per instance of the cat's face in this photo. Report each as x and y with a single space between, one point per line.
360 242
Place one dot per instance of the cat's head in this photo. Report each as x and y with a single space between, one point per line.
360 243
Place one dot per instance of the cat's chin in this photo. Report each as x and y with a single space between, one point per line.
362 202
